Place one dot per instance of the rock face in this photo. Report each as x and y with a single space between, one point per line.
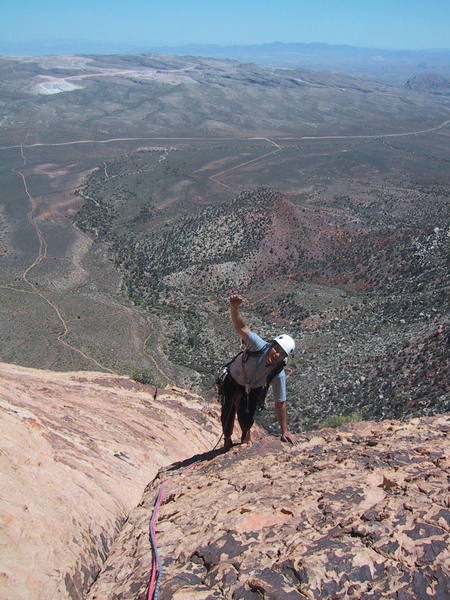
360 512
77 450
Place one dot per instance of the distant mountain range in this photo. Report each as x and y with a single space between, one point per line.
390 65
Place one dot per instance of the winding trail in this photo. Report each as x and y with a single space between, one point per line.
42 254
66 329
270 142
240 139
23 155
150 356
215 178
372 136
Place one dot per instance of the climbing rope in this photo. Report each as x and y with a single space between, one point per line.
157 569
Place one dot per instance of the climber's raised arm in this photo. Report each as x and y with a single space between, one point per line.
236 318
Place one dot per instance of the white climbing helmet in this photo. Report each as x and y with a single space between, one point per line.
286 343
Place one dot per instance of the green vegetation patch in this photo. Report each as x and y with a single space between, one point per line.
338 420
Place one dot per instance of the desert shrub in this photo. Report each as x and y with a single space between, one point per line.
143 376
338 420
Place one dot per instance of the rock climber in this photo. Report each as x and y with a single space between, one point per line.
248 376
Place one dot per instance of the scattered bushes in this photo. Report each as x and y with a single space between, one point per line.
338 420
143 376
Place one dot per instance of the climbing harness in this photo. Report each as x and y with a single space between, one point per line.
224 371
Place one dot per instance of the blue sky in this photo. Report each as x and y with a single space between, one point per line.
389 24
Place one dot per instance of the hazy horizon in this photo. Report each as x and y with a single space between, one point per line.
400 26
79 46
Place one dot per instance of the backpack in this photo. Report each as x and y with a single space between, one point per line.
223 372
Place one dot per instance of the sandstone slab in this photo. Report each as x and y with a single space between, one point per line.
76 452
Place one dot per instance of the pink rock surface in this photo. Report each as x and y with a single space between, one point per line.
357 513
76 452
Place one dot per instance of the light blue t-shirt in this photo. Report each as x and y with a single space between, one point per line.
254 370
